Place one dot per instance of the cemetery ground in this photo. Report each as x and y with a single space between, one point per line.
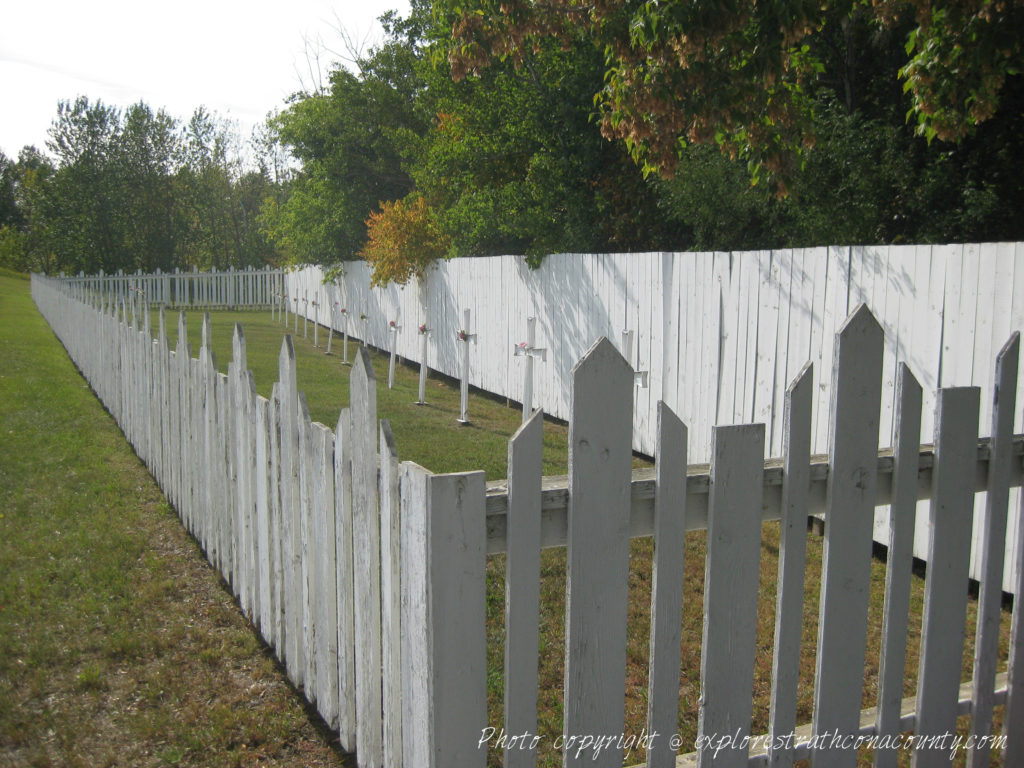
119 644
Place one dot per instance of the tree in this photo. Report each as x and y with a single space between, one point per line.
741 75
403 239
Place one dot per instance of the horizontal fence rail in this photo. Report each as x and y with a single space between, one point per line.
367 575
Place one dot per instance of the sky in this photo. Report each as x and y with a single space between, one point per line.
238 59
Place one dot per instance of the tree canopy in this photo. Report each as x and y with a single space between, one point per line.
743 75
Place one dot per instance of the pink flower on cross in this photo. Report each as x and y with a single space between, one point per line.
423 328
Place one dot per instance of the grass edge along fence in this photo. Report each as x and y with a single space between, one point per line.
367 575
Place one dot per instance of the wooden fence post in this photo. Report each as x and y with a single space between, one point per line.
792 559
986 646
366 561
899 562
444 664
949 551
600 462
522 586
846 560
730 592
667 588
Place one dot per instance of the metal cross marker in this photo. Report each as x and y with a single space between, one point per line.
640 378
465 337
424 331
393 329
530 351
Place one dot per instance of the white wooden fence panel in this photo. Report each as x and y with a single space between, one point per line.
522 586
730 592
792 559
992 547
325 597
391 597
853 465
598 550
899 561
291 521
346 590
307 542
666 587
366 537
945 604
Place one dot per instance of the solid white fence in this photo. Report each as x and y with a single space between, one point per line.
716 336
367 576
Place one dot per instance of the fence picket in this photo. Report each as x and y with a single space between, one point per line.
902 519
366 560
796 446
730 592
391 596
986 646
291 521
325 598
846 559
598 549
343 555
522 586
666 587
945 600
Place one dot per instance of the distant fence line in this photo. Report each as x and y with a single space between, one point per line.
230 289
367 575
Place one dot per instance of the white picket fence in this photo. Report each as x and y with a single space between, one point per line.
234 289
367 575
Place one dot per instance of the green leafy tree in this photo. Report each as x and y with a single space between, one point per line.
741 77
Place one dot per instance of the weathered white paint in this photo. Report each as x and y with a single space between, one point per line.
666 587
366 538
598 550
522 586
789 604
846 558
730 591
945 600
391 596
986 647
899 562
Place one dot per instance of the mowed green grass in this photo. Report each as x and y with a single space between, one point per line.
118 643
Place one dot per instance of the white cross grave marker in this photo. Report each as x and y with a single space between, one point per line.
393 329
330 327
640 378
316 323
424 331
305 315
344 336
295 315
465 337
529 350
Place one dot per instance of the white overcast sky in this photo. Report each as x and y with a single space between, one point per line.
239 59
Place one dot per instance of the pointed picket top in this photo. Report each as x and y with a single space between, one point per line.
286 368
162 329
238 356
206 345
601 355
860 322
363 367
182 347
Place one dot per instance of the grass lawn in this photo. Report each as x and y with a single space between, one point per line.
115 517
